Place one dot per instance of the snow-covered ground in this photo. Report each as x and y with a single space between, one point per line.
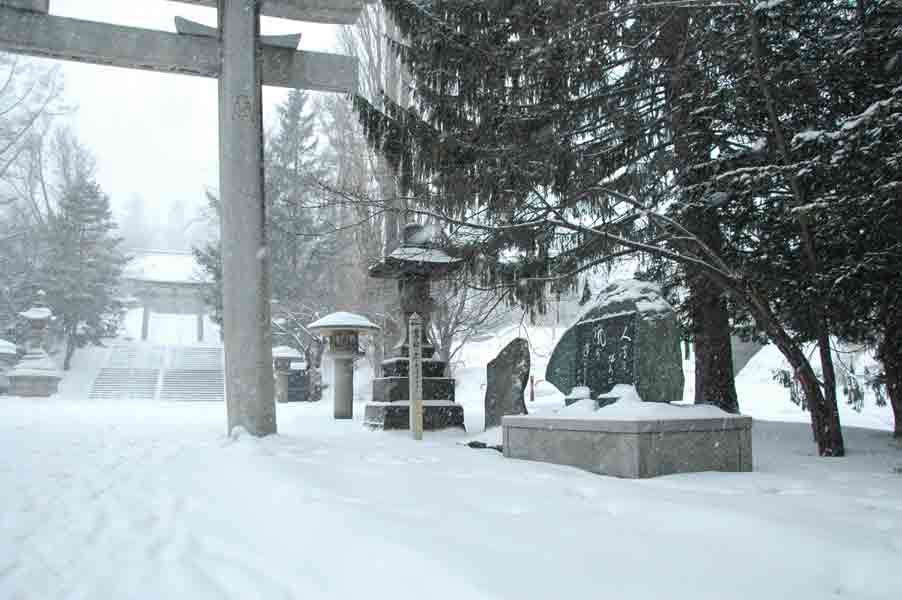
144 500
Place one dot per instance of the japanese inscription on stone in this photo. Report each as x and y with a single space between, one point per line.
606 352
416 376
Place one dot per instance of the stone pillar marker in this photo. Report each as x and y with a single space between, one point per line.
416 376
342 329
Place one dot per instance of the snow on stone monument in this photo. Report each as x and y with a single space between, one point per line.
630 336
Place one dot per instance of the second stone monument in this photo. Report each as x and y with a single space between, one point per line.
420 259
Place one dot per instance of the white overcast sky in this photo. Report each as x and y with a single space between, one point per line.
155 134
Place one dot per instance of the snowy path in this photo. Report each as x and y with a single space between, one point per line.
153 501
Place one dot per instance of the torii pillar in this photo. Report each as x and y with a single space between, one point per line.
236 56
250 392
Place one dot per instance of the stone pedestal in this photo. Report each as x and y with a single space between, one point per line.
282 356
343 386
390 408
282 386
634 448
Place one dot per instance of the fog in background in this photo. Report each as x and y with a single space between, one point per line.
155 135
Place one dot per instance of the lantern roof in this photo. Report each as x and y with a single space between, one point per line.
342 321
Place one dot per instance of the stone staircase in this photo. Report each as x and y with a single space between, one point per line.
140 371
194 373
125 384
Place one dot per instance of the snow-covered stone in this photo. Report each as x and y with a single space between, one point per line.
630 336
342 321
37 313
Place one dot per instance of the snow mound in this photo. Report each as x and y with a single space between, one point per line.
630 407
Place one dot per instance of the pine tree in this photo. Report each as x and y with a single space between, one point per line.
556 132
299 218
83 263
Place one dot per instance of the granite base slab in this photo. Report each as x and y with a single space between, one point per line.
634 449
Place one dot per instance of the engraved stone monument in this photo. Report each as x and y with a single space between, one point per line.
624 354
631 336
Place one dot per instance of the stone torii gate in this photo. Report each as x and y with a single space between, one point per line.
243 62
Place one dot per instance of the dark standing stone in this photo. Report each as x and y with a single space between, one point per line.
506 378
631 336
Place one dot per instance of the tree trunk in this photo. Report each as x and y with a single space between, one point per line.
714 378
714 383
710 321
70 348
831 406
824 423
825 420
890 354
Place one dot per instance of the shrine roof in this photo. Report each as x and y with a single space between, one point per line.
165 267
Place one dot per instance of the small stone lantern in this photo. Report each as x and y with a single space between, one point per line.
283 356
342 330
37 374
8 356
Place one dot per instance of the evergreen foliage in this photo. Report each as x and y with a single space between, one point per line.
83 261
554 135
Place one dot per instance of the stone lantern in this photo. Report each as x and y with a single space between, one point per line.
420 259
8 356
283 356
342 330
37 374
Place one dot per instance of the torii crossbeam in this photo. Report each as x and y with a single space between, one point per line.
243 64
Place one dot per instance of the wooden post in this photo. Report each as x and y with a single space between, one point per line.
416 375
